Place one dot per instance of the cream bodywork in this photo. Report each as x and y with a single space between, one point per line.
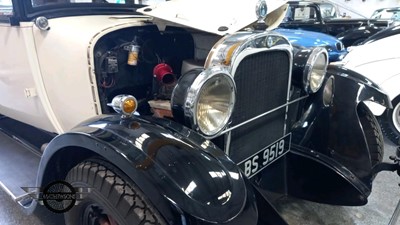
47 77
20 83
214 16
378 61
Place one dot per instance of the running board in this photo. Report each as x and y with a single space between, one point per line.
18 169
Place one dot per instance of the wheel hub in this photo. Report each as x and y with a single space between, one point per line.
94 215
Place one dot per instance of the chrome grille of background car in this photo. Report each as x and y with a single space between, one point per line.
262 84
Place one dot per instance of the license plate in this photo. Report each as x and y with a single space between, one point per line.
261 159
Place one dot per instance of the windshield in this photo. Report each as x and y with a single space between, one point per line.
38 3
301 13
392 13
328 10
309 12
5 7
65 8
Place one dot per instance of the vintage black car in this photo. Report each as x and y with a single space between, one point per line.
324 17
214 112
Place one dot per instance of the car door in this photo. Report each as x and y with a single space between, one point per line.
21 96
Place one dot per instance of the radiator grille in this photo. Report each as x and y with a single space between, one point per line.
262 84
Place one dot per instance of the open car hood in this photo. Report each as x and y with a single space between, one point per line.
214 16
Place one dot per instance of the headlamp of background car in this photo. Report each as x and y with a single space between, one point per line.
328 92
204 100
315 69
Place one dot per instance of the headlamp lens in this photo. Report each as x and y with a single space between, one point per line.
215 104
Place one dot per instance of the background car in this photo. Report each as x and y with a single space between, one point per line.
392 13
323 17
334 46
5 7
378 59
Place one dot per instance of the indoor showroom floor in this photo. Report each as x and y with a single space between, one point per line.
382 202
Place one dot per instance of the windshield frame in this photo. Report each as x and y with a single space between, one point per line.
323 6
393 11
24 11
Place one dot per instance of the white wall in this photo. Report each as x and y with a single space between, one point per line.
365 8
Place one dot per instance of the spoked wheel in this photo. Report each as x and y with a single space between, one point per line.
390 122
112 200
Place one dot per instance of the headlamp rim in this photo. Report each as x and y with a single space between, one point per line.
193 95
308 68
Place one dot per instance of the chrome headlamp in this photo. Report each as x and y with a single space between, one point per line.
204 100
315 69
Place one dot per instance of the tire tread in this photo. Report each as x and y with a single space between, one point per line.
373 133
123 195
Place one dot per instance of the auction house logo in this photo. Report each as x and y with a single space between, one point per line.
58 196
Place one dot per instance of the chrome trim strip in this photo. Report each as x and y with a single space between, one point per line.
227 49
259 43
263 114
252 51
17 199
4 187
288 90
228 138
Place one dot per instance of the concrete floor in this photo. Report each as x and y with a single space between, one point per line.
382 202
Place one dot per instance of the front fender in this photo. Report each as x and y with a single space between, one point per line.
360 87
170 163
335 130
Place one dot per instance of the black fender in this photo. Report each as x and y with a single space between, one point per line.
333 132
392 30
180 172
357 35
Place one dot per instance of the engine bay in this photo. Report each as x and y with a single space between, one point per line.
146 63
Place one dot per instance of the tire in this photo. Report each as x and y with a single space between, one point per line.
390 122
373 133
113 199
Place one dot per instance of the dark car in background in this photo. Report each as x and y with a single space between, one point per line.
323 17
392 13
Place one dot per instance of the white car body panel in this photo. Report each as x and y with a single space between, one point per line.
59 71
20 97
199 14
378 61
